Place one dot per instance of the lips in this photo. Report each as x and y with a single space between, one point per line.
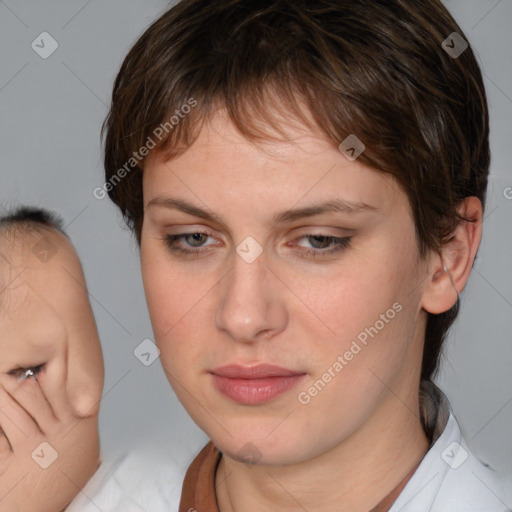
259 371
254 385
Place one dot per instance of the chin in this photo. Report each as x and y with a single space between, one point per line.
257 447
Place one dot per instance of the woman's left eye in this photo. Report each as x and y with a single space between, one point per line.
323 244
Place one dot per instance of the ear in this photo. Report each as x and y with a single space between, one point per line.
449 270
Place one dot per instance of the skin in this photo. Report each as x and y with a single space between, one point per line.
357 439
46 318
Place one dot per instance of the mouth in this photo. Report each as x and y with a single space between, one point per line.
254 385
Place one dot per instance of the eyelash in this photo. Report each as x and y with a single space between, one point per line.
21 373
342 243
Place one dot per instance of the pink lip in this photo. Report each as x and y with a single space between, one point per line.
252 385
257 371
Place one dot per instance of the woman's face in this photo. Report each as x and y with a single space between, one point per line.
301 259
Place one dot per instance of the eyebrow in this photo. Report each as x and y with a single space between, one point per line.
331 206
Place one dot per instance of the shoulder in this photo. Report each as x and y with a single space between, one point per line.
471 483
139 481
452 478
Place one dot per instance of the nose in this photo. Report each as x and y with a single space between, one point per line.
252 305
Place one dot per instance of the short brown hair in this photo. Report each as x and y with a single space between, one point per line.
377 69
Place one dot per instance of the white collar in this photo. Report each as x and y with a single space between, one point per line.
450 477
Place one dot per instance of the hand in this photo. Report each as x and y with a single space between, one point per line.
39 425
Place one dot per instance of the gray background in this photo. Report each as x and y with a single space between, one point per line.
50 118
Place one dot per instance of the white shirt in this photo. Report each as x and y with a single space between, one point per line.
450 478
138 481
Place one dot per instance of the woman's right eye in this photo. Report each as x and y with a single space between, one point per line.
22 374
190 243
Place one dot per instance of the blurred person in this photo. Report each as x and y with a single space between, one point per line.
51 366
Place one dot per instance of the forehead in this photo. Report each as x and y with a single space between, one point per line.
35 296
34 264
31 331
224 169
20 242
22 301
288 140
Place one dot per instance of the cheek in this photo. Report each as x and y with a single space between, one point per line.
348 298
175 300
364 313
351 367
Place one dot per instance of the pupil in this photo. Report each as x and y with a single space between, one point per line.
319 242
197 238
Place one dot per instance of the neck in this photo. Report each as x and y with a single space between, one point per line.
354 476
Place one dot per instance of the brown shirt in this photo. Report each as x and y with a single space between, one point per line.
198 492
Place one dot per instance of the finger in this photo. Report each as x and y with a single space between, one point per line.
16 423
29 395
5 447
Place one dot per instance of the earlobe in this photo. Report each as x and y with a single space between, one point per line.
451 267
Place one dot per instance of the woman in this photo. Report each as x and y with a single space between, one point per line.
306 182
